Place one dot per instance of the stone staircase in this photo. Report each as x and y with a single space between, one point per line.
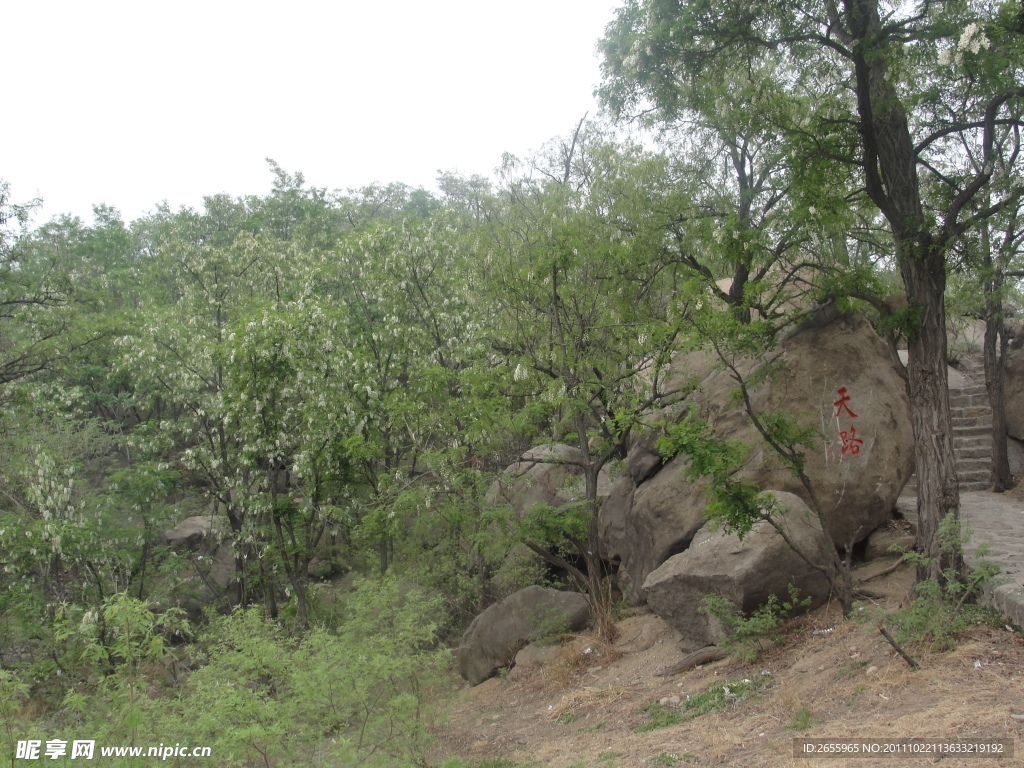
972 439
972 436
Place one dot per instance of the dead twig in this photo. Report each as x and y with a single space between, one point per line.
886 572
703 656
892 641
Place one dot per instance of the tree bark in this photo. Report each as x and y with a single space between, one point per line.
890 165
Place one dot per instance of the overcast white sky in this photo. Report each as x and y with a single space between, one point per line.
130 103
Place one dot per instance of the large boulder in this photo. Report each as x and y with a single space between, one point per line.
497 634
643 525
193 534
1013 392
746 572
546 474
834 374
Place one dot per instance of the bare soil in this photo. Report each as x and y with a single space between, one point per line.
828 678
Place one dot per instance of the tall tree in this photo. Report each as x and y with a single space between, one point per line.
586 318
891 89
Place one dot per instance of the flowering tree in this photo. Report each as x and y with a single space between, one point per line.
586 321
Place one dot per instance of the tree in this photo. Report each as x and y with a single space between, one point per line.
585 320
35 295
889 89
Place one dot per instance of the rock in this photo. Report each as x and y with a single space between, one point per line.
639 633
193 534
657 521
497 634
1013 392
685 373
835 375
894 533
745 572
546 474
535 655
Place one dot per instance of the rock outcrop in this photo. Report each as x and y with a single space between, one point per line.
497 634
546 474
1013 392
193 534
746 572
833 374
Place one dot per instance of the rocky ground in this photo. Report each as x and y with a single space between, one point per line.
580 704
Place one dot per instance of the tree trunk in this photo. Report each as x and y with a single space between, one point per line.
891 180
938 491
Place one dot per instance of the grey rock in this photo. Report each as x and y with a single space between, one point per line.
745 572
496 635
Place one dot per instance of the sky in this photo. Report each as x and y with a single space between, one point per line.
133 103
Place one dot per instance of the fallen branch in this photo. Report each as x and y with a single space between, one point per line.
892 641
868 593
886 572
703 656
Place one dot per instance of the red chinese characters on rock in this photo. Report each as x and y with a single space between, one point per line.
851 443
841 403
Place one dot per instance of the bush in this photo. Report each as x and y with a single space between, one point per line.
940 611
748 635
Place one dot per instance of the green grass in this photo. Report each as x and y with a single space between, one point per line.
672 758
802 720
568 717
593 728
665 758
711 700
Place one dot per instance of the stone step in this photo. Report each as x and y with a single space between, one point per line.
972 412
970 394
975 486
974 475
971 389
972 441
962 424
969 465
977 452
975 431
969 401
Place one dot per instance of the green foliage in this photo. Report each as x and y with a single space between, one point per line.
747 635
13 694
803 720
940 611
734 502
357 695
713 699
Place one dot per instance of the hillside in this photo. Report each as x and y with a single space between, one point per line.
826 678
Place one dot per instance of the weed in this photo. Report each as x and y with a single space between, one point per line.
854 694
747 636
802 720
665 758
940 611
492 762
593 728
851 666
568 717
711 700
610 759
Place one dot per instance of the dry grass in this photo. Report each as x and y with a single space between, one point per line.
850 680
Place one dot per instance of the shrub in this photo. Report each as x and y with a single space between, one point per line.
747 635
